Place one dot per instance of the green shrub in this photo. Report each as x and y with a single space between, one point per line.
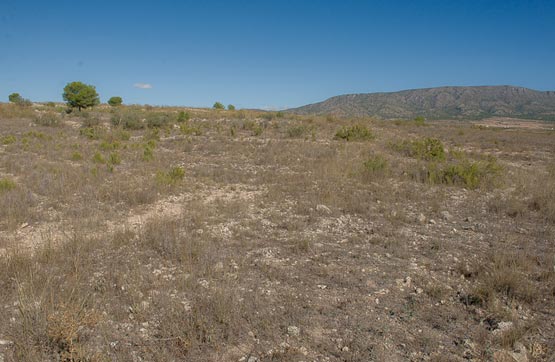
91 133
188 129
48 119
157 120
230 107
218 105
98 158
76 156
114 158
122 135
148 150
9 139
115 101
297 131
429 149
128 119
173 176
255 128
109 146
183 117
465 173
420 121
375 164
6 185
354 133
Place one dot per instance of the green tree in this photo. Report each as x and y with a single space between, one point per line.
231 107
18 99
218 105
115 101
15 98
79 95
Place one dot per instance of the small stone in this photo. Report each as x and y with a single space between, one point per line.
293 331
432 221
4 342
345 349
252 359
323 209
445 215
219 266
502 327
421 218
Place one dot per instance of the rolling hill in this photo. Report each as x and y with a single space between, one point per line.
442 103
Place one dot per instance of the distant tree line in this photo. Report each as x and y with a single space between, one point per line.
79 95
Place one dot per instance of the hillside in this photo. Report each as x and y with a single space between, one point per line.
440 103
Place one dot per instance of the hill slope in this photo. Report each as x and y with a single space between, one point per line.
442 102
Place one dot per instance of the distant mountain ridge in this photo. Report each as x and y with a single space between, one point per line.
442 103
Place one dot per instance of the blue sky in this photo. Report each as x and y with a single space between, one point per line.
270 54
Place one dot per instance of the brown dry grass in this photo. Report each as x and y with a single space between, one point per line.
110 252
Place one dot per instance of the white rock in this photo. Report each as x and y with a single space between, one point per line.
293 331
323 209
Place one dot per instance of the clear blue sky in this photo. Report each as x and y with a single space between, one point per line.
270 54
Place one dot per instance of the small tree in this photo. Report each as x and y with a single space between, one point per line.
218 105
231 107
115 101
16 98
79 95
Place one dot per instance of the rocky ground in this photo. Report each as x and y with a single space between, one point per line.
256 237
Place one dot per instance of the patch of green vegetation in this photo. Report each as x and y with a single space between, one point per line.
91 133
128 119
9 139
76 156
254 127
429 149
47 119
298 131
183 117
148 150
375 165
357 132
420 121
109 146
464 173
188 129
114 158
157 120
6 185
98 158
171 177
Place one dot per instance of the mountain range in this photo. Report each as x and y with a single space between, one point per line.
476 102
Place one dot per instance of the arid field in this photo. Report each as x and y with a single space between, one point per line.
169 234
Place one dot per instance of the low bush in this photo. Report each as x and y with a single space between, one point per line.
465 173
128 119
375 165
354 133
8 140
183 117
429 149
188 129
157 120
298 131
171 177
6 185
48 119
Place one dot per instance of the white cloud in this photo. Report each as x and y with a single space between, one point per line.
142 85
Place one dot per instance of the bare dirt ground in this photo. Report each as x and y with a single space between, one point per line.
242 236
